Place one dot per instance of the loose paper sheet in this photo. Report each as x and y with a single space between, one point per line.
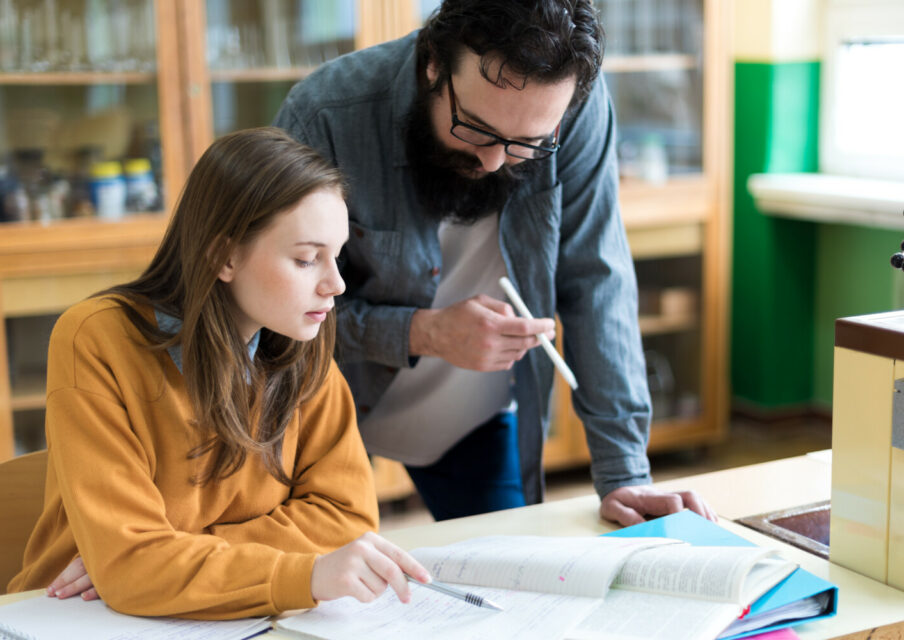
527 616
75 619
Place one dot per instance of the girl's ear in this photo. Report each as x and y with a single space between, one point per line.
220 247
227 271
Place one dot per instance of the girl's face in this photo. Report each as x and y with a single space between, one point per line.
285 279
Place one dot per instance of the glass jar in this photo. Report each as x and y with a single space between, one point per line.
141 189
108 190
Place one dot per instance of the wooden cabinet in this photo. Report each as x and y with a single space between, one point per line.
121 79
68 91
667 66
77 81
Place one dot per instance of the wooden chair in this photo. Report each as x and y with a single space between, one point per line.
21 501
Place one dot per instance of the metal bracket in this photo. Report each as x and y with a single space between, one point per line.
897 421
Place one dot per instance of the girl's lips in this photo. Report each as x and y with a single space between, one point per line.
317 316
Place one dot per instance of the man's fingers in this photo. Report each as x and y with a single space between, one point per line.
615 511
495 305
660 504
695 503
527 327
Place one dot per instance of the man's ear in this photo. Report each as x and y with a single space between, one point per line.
432 72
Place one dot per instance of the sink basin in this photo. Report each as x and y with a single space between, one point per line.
806 527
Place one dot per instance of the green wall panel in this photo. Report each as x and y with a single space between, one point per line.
774 272
854 278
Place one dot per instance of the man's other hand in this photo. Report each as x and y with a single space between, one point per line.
631 505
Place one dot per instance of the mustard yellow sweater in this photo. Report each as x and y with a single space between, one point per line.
119 490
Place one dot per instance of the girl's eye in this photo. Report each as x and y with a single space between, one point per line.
303 263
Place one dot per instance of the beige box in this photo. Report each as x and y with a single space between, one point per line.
867 516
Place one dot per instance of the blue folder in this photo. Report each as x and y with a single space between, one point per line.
689 527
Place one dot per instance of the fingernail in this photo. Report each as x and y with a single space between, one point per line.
84 595
51 592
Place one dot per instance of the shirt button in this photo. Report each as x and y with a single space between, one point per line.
364 408
434 271
359 233
391 369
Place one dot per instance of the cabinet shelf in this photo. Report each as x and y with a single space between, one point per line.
659 325
40 78
261 74
29 392
649 62
671 433
32 248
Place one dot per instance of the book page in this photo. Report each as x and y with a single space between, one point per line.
572 566
631 615
712 573
75 619
763 576
526 616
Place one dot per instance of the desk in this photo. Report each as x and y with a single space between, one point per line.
863 603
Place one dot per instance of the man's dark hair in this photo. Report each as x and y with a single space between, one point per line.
542 40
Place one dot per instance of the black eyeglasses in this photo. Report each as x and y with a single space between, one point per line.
481 138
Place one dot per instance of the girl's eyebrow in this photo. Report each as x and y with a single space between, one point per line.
314 243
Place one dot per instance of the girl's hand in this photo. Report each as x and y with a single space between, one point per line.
363 569
73 581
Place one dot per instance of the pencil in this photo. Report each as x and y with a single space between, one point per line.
470 598
550 350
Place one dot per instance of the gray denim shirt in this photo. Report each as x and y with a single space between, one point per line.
561 238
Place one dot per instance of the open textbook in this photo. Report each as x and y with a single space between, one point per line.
555 587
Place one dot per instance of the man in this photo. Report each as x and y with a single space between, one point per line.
484 146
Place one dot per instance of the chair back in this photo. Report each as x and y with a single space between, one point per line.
21 501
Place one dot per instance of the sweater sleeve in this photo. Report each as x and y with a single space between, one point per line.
335 500
139 563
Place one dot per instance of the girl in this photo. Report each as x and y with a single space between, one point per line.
204 459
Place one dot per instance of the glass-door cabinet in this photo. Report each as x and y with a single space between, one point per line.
666 66
91 155
256 51
253 52
104 107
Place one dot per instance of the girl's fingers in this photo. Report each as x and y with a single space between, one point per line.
75 571
82 584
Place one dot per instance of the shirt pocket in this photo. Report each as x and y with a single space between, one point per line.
372 261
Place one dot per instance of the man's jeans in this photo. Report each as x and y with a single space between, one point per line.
479 474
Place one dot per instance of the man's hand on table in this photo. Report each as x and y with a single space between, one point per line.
631 505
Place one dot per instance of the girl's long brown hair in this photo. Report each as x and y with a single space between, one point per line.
233 193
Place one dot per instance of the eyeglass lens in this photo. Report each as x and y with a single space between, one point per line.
481 139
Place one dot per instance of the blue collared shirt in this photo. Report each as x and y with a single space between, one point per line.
170 324
561 238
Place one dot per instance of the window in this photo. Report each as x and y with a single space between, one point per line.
862 102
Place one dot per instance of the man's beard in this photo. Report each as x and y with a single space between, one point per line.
444 193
